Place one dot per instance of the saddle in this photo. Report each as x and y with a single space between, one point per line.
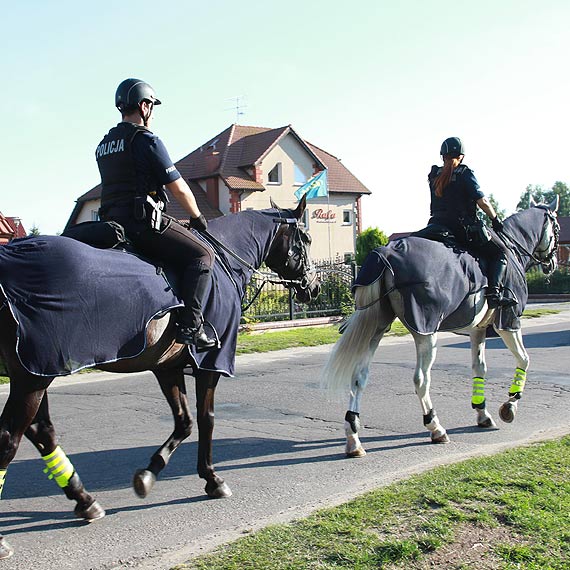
103 235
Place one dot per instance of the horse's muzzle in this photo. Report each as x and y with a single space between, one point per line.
308 293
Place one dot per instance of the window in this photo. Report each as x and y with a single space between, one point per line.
346 217
94 215
275 174
300 177
305 219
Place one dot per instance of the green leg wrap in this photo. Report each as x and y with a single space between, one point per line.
58 467
519 380
2 479
478 397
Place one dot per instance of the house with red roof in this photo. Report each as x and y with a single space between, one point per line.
244 167
10 228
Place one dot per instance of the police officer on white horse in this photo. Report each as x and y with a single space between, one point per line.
135 167
455 197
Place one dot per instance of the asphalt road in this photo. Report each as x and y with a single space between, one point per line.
278 443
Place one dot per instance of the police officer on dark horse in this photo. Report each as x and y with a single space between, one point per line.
135 167
455 198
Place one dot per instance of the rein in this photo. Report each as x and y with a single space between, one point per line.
303 283
551 252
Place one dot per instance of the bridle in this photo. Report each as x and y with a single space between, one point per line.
297 261
545 257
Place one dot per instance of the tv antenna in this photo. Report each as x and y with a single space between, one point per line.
237 107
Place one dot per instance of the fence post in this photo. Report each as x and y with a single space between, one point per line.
291 304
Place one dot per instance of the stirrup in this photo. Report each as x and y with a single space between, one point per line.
497 301
196 337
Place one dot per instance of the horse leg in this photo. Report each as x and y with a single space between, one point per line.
206 383
479 369
173 387
58 467
514 342
425 357
18 413
359 380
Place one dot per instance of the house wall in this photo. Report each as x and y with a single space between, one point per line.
89 211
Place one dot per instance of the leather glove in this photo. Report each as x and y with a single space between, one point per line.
200 223
497 224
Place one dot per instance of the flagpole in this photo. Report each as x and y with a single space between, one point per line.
329 226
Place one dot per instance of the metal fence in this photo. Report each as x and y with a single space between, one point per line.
276 303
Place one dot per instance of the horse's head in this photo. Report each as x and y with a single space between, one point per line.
289 253
544 253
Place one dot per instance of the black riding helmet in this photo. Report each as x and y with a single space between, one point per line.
132 92
453 146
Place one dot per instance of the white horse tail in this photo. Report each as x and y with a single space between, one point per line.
353 351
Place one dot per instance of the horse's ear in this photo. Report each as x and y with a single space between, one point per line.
531 202
553 206
300 209
273 204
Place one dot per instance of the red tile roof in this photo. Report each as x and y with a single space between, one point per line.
564 222
9 229
237 150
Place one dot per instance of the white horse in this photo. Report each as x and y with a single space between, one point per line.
532 236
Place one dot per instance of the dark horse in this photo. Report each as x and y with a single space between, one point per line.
432 288
273 236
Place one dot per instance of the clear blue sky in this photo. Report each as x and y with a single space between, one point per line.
377 83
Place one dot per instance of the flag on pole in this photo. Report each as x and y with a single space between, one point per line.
315 187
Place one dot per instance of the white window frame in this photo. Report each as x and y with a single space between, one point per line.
350 216
278 169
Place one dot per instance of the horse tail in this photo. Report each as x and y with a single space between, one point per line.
353 351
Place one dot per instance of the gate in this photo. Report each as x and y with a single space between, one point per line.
276 303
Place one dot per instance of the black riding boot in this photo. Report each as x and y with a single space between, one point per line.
495 276
190 319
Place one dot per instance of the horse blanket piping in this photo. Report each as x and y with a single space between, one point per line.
435 281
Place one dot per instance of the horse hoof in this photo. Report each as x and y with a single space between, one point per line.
143 482
358 452
93 512
5 549
218 491
487 423
441 438
507 412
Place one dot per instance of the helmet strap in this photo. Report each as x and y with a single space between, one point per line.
145 117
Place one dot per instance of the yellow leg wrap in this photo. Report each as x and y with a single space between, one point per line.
478 396
518 381
2 479
58 467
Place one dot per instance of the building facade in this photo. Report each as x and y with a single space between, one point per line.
245 167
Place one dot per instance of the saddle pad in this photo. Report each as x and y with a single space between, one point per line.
434 280
77 306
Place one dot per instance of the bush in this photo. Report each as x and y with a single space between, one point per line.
557 283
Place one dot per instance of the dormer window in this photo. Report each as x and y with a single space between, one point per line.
274 176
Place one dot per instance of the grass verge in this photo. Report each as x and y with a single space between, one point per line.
508 511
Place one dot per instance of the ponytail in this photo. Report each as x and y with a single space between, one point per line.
450 163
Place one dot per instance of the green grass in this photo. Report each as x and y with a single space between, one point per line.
297 337
511 511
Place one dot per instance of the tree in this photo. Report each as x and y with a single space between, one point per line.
35 231
540 195
500 212
368 240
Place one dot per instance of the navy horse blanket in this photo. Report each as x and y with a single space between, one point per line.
437 283
77 306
